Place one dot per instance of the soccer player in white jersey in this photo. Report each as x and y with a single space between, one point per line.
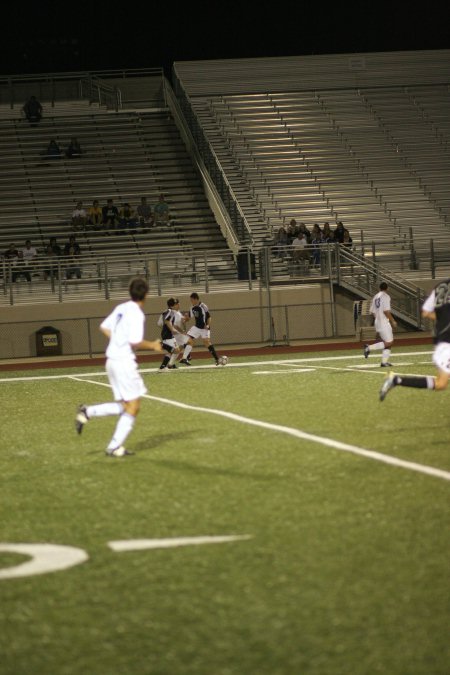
384 323
124 328
437 308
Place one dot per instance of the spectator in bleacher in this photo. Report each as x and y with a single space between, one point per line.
110 215
300 248
316 242
79 217
18 268
302 228
11 252
53 150
145 214
339 232
73 149
127 219
56 248
161 211
281 242
292 230
95 216
348 241
72 252
33 111
29 254
327 234
51 255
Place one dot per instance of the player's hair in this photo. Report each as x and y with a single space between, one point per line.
383 286
172 302
194 296
138 289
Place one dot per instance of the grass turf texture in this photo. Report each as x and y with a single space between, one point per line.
347 568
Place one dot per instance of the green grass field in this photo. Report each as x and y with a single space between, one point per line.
344 564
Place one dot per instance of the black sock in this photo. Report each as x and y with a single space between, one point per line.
213 352
413 381
166 360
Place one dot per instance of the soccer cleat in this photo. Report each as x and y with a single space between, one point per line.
185 361
118 452
81 418
162 369
386 365
388 384
366 351
174 367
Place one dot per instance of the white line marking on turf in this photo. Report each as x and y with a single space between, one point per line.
285 372
173 542
297 433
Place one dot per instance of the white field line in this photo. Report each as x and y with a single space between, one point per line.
174 542
297 433
244 364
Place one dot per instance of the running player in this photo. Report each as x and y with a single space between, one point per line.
124 328
437 308
384 323
201 330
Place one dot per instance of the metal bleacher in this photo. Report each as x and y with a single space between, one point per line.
126 155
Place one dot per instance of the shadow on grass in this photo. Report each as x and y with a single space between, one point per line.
199 469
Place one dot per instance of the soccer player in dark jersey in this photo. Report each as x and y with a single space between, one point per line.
167 322
202 318
437 308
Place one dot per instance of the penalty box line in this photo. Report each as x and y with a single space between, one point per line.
297 433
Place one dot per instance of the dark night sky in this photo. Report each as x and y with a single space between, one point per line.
95 35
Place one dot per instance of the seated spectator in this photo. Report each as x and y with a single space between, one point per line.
53 150
339 233
302 228
327 234
29 254
11 252
18 268
95 216
51 268
161 212
56 248
110 214
145 215
33 111
292 230
73 149
316 242
127 218
348 241
281 243
300 250
79 217
72 252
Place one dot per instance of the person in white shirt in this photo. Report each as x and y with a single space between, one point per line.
29 252
384 323
124 328
79 217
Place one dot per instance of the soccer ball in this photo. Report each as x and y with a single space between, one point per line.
223 360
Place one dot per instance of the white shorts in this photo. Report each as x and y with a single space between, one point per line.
181 339
384 330
441 357
196 333
171 342
124 378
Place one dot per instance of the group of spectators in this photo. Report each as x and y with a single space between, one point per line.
53 151
304 244
109 218
23 261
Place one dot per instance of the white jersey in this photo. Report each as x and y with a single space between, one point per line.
126 324
179 320
381 303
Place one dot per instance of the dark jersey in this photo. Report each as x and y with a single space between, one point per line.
439 302
201 314
168 315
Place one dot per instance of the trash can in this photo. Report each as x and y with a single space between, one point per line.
48 341
242 265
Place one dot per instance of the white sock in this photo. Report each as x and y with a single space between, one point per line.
385 355
123 428
377 345
104 409
187 351
173 358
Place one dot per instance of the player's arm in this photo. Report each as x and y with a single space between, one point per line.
151 345
429 315
171 327
105 332
390 318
